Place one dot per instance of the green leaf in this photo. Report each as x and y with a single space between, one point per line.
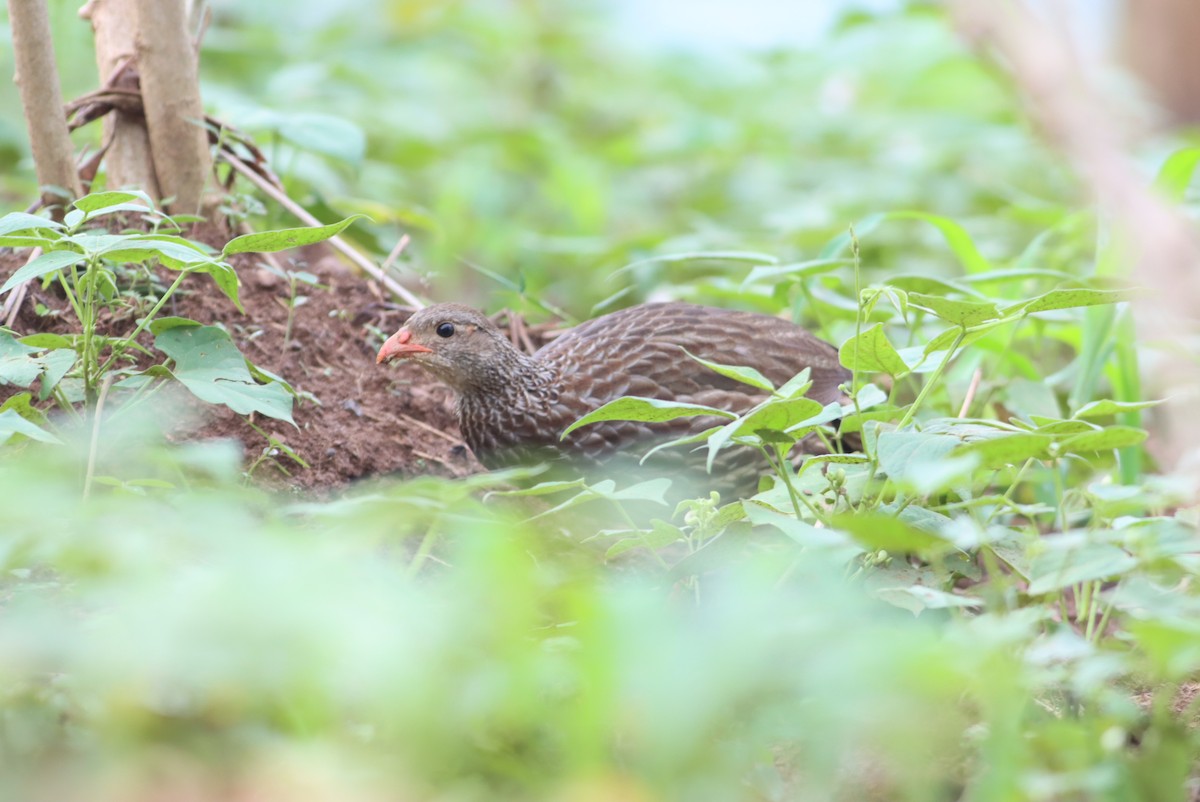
660 535
1103 440
18 366
796 386
20 221
44 339
211 367
1105 407
1070 299
921 597
921 461
162 324
833 459
947 338
1008 449
106 200
272 241
1069 559
55 365
11 423
226 280
799 531
961 313
43 265
875 531
744 375
872 352
648 410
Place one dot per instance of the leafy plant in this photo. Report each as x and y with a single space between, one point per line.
83 258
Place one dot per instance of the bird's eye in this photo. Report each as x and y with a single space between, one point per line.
445 330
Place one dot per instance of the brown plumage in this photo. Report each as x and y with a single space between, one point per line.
512 407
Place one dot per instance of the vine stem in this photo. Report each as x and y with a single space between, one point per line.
929 384
120 346
423 552
93 446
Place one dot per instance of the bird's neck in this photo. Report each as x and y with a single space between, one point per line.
507 407
501 378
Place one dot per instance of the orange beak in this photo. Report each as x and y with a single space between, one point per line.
398 346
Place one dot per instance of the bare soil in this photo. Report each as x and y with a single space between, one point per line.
370 420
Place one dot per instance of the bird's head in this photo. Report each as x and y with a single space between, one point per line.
457 344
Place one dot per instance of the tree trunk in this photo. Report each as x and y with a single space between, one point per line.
128 161
171 96
145 45
41 97
1160 42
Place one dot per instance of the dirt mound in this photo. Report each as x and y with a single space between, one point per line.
367 421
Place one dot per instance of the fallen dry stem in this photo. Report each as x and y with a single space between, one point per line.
282 198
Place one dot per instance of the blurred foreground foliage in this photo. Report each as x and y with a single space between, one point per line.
180 636
174 633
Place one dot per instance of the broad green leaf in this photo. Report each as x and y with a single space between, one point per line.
796 386
162 324
872 352
11 423
869 396
799 531
18 365
833 459
875 531
211 367
171 254
44 339
772 416
105 200
1103 440
20 221
921 597
55 365
542 489
961 313
226 280
947 338
1105 407
44 265
660 535
283 239
744 375
1066 428
1008 449
648 410
920 460
1070 299
1075 560
780 415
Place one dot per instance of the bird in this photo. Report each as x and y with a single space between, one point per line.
513 407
